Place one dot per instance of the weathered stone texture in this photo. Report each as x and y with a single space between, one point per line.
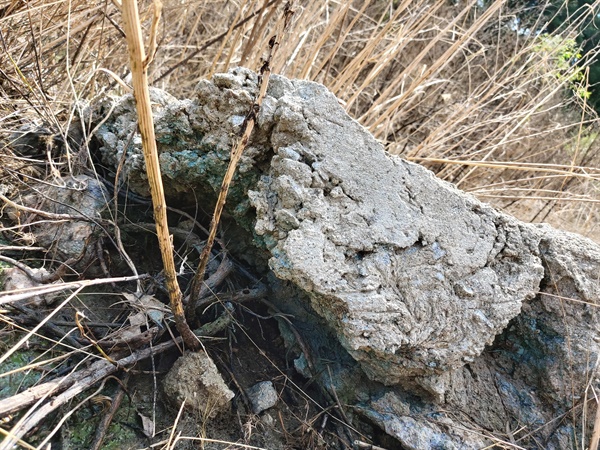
423 285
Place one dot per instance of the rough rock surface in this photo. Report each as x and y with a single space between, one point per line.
262 396
14 279
414 277
195 379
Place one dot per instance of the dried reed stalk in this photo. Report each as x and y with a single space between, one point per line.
596 432
139 65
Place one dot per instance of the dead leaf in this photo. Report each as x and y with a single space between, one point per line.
152 308
147 425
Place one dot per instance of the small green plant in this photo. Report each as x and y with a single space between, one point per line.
563 55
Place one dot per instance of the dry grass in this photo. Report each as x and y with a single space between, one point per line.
450 86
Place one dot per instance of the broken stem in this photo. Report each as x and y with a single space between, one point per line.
139 65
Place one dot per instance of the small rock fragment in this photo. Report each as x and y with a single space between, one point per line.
82 198
262 396
15 279
195 379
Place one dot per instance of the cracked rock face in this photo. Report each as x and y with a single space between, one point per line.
415 276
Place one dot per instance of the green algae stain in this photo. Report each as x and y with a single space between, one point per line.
203 168
120 435
18 380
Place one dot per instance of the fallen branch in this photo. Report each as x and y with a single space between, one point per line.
48 215
32 316
25 293
8 248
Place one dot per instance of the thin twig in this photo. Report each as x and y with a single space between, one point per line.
108 416
153 45
245 295
37 277
236 154
25 293
23 268
174 428
360 445
49 215
596 433
18 248
51 327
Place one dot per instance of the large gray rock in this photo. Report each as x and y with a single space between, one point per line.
414 277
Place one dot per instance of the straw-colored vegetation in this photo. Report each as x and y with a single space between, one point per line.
463 90
481 99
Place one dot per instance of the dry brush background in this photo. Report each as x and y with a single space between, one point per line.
461 89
